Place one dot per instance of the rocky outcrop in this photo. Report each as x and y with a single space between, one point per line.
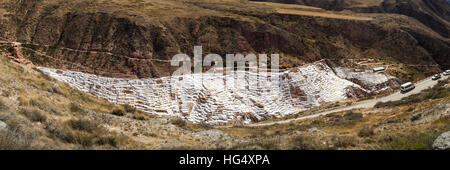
416 116
442 142
3 126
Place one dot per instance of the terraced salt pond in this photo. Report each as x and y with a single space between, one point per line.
207 98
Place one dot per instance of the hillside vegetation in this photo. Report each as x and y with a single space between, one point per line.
137 38
41 113
413 125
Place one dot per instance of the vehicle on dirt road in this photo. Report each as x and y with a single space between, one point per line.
446 73
436 77
404 88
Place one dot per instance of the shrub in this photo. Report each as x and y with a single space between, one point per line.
2 104
414 141
366 131
436 92
34 114
83 132
129 108
350 115
118 112
410 109
380 105
269 143
75 108
12 140
23 101
83 138
112 140
307 143
178 122
65 133
36 102
350 118
344 141
82 125
442 83
6 93
139 116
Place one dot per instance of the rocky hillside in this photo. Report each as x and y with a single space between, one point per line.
37 112
433 13
124 38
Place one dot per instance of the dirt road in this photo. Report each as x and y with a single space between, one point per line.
421 85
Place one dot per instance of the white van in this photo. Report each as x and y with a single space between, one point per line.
447 73
407 87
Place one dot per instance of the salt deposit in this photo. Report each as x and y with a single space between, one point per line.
207 97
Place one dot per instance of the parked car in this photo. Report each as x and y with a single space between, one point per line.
446 73
436 77
404 88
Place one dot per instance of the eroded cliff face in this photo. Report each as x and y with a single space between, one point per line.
113 45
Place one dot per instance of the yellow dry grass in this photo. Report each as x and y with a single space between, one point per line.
323 14
313 11
279 5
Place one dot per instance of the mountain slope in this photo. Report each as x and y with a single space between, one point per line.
433 13
114 39
40 113
136 38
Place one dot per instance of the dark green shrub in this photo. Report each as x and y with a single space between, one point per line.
118 112
178 122
366 131
350 115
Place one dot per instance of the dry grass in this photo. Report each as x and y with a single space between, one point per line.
280 5
47 111
51 115
323 14
34 114
2 104
145 10
85 133
68 119
436 92
366 131
118 112
178 122
377 128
